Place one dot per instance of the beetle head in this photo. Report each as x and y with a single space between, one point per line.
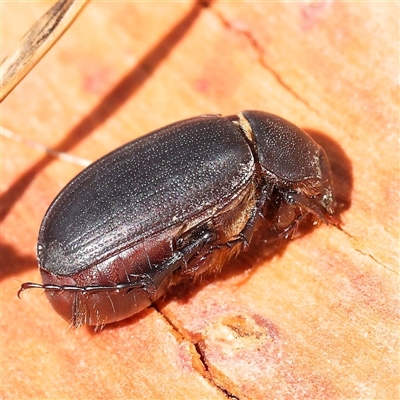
296 166
315 195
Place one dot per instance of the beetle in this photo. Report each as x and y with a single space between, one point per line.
176 204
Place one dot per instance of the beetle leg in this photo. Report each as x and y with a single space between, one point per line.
196 250
291 228
157 275
154 279
83 289
207 237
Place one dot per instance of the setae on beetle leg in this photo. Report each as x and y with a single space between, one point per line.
197 245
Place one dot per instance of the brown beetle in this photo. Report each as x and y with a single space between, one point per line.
173 205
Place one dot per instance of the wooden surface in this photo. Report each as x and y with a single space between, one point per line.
319 319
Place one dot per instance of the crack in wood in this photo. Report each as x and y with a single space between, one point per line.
182 338
358 250
260 51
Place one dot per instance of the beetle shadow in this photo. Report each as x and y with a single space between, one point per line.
109 105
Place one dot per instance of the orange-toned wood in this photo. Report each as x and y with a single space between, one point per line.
317 320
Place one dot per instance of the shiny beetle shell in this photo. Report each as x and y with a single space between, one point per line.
174 205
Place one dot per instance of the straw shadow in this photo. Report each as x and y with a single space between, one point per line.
121 92
12 262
